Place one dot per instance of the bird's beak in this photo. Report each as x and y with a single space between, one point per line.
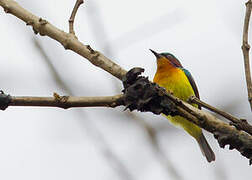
156 54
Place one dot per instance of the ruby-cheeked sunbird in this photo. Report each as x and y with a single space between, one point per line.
177 80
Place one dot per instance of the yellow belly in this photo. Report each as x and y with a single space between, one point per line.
177 83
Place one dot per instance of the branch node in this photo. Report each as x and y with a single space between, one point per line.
4 100
90 49
95 54
42 22
62 100
246 46
39 28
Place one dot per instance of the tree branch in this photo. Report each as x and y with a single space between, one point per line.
240 124
245 50
143 95
72 17
69 41
60 101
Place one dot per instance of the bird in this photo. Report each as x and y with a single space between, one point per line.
178 81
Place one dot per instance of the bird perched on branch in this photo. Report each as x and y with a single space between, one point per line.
178 81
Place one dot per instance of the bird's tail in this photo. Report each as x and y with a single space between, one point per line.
205 148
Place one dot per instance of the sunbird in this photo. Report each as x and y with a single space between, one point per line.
178 81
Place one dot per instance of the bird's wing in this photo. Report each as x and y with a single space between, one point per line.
192 82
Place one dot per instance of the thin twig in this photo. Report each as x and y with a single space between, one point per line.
195 100
245 50
72 17
241 124
66 101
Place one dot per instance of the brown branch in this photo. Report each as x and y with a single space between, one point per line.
223 132
66 101
240 124
143 95
72 17
245 50
69 41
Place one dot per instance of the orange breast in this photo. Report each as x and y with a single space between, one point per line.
174 80
166 72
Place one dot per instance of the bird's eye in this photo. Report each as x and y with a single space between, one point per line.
169 56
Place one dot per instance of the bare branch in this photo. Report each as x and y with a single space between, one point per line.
65 101
240 124
223 132
72 17
245 50
143 95
69 41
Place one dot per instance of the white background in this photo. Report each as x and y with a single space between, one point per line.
100 143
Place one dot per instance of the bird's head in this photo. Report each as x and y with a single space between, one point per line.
165 59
